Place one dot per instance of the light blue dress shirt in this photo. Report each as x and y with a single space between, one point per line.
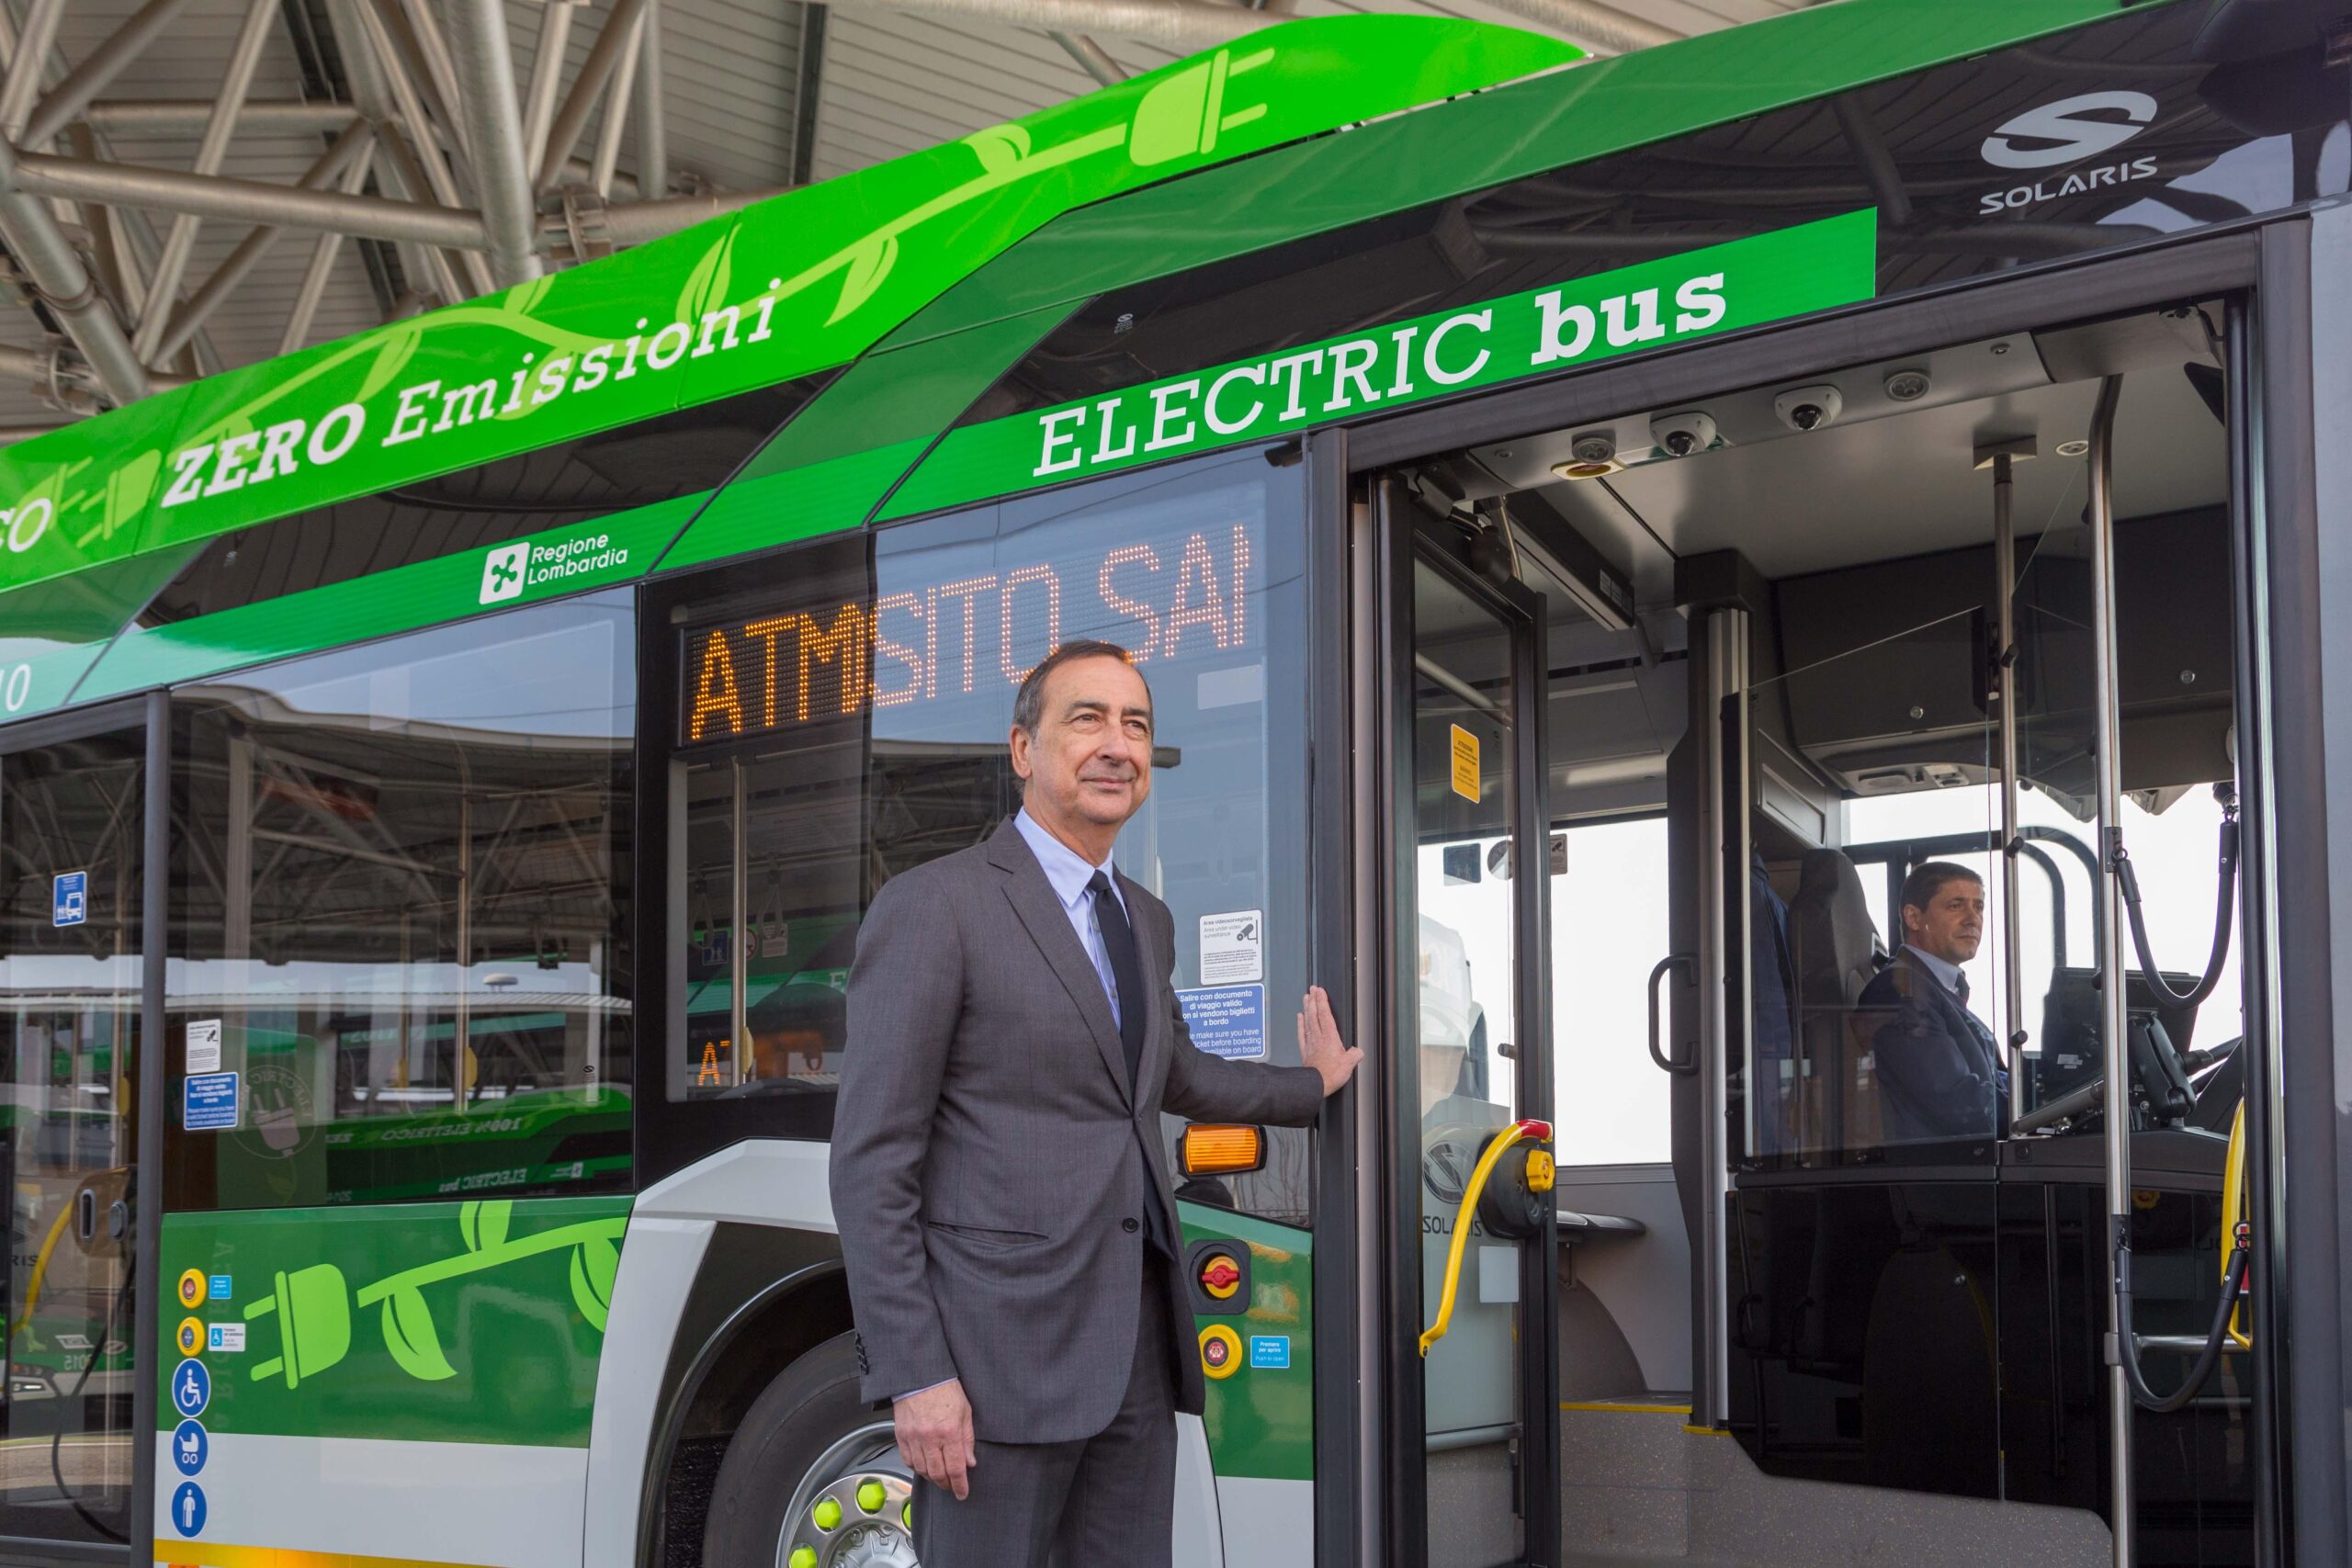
1069 872
1947 973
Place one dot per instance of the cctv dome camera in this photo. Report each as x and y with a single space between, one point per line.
1679 435
1809 408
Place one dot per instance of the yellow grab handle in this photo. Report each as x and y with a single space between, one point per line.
2234 1198
1541 1132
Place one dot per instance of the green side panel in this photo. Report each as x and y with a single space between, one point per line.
78 495
477 1323
1608 106
1260 1420
830 466
854 257
1719 288
563 560
794 284
52 631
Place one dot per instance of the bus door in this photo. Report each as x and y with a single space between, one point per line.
72 793
1466 1069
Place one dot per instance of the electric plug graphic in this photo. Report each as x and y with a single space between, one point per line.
1185 114
313 1311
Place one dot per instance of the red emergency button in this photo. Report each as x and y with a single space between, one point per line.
1220 1275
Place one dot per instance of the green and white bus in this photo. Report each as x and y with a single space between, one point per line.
1592 529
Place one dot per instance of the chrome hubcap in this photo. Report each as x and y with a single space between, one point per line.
853 1509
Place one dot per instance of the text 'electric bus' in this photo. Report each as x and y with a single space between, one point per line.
1614 548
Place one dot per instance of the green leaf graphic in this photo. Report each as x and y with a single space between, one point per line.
868 265
706 285
594 1264
484 1225
396 352
410 1336
1000 147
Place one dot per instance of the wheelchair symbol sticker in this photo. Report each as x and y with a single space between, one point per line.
191 1389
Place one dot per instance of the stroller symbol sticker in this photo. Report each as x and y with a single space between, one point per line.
190 1445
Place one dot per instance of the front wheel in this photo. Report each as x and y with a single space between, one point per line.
812 1478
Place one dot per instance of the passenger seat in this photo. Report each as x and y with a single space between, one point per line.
1837 950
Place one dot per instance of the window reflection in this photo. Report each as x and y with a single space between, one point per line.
401 911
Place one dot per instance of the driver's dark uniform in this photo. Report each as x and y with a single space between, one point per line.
1938 1069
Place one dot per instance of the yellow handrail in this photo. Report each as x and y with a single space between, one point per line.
1540 1132
2234 1198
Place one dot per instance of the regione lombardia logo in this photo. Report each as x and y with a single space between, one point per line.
501 574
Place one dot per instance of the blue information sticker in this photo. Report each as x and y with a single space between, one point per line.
221 1285
1226 1020
69 898
1270 1351
210 1104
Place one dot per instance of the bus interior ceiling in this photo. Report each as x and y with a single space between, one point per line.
1872 710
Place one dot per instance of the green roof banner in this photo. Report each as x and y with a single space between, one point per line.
803 281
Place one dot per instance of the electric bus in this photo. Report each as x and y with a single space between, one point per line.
1593 529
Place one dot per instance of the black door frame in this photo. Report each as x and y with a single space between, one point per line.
1398 543
147 715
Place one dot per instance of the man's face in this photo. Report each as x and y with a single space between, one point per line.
1951 925
1091 759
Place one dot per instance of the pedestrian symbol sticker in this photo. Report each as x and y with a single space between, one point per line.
188 1510
191 1445
69 898
191 1389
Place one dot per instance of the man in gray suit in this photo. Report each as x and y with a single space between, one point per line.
997 1170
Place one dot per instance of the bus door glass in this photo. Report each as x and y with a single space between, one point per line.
1470 1060
70 823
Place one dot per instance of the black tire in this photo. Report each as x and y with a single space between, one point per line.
812 1406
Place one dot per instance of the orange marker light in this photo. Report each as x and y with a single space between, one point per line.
1212 1149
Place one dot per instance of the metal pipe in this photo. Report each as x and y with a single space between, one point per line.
1594 27
163 283
222 196
586 87
2005 572
617 98
1723 833
186 116
1184 26
1091 58
652 122
547 75
424 150
57 275
2114 1040
231 272
500 171
408 176
441 73
26 57
739 963
99 67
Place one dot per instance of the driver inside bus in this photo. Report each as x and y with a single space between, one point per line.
1938 1068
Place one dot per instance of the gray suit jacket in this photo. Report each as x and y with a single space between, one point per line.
991 1162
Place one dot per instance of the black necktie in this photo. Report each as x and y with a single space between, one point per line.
1119 945
1960 988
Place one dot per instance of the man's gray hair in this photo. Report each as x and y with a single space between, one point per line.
1029 705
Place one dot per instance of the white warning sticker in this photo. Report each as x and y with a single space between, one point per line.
1233 948
204 1046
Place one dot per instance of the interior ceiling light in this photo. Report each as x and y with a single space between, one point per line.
1593 455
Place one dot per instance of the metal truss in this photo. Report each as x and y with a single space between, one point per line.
456 167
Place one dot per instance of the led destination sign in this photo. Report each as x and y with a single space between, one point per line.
1179 595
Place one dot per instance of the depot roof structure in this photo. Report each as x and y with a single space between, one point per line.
188 186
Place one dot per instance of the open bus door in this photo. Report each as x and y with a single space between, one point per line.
1467 1073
